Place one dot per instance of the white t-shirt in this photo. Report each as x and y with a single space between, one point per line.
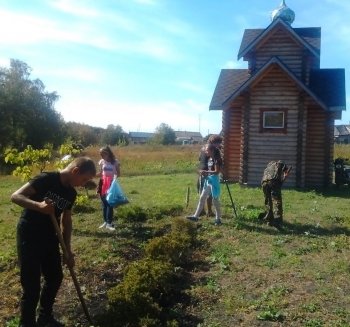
108 171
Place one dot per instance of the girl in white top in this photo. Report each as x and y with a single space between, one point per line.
109 169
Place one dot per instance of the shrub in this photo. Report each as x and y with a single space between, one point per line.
150 282
82 204
174 247
137 296
130 213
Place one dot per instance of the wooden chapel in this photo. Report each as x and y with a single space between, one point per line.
282 107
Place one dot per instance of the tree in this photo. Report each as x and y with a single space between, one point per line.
27 110
164 134
83 134
28 160
114 135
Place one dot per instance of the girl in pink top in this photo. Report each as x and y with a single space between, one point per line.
109 169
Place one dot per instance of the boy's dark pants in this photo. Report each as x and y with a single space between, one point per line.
37 256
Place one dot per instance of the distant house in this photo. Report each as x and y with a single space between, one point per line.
342 134
282 107
140 137
184 137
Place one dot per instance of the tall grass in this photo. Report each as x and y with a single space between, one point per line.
342 151
139 160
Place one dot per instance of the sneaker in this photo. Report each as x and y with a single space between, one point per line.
103 225
48 322
218 222
193 218
110 227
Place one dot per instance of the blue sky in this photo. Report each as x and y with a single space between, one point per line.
140 63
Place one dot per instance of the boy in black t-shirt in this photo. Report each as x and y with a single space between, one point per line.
50 193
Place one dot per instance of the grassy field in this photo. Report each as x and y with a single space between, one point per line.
243 273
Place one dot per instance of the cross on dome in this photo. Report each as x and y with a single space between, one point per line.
283 12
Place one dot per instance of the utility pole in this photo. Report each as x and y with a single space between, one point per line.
199 122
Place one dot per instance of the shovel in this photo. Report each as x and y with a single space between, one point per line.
72 273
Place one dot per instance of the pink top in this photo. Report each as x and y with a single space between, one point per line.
108 171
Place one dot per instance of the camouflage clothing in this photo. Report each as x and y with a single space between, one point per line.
271 185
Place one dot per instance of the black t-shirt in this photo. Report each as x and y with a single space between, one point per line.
203 160
215 160
48 185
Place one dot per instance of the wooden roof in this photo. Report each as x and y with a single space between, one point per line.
229 81
329 85
233 82
309 37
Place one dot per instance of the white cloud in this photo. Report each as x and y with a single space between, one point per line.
75 7
116 34
136 116
81 74
196 88
146 2
235 65
4 62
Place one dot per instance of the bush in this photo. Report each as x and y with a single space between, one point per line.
136 214
133 214
149 283
174 247
137 296
82 204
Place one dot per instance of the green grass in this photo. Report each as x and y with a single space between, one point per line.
243 273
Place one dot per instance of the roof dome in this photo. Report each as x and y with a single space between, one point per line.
283 12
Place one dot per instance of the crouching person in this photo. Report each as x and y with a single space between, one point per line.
274 175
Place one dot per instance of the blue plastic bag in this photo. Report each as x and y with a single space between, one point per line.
115 195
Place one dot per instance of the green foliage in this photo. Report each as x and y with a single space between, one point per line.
149 282
271 314
114 135
28 160
26 109
82 204
134 214
136 297
314 323
164 134
175 248
12 323
68 148
137 214
83 134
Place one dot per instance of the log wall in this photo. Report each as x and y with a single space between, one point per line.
232 143
280 44
319 147
274 91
